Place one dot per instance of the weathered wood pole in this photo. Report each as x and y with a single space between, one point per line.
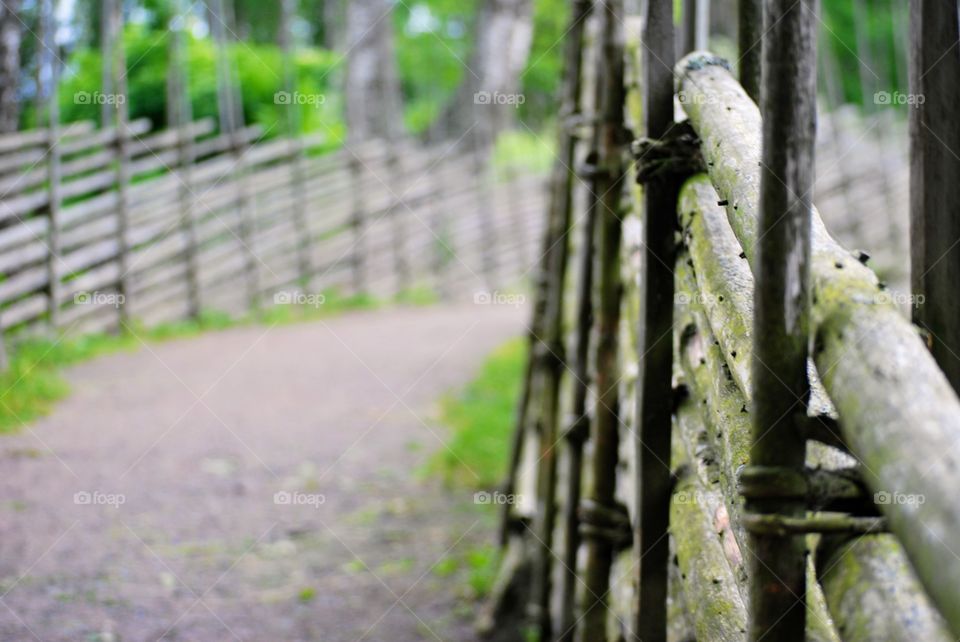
395 187
179 115
483 140
231 115
297 170
654 386
439 224
551 342
48 60
696 22
934 172
358 223
609 139
578 430
118 102
749 36
782 303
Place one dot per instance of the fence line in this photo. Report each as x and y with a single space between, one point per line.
208 215
737 486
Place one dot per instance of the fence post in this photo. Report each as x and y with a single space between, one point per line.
575 434
655 344
601 508
298 178
358 222
48 48
118 82
551 343
482 154
231 113
179 113
934 170
439 225
778 564
749 36
395 180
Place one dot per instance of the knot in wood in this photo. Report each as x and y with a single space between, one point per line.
676 156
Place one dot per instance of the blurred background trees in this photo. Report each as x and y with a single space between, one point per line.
415 63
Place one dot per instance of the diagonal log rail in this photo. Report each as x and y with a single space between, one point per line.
867 583
891 397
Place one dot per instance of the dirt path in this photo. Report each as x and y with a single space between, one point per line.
145 507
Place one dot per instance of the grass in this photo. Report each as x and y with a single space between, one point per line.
33 383
481 419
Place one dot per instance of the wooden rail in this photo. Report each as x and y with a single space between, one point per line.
63 247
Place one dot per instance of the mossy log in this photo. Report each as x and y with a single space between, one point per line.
716 607
728 426
863 577
897 410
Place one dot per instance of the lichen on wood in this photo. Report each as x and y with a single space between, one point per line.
897 411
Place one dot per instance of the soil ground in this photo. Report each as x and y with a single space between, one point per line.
146 507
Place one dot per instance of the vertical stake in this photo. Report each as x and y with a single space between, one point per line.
231 114
118 82
781 307
180 115
49 47
358 221
608 140
934 184
749 37
654 383
298 173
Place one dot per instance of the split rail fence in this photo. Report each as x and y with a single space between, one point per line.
173 223
728 430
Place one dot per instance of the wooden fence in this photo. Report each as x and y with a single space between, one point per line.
175 222
750 439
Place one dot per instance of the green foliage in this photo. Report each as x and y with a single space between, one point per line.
259 70
862 45
541 78
433 41
522 150
482 417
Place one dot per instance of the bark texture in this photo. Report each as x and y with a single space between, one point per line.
373 97
11 33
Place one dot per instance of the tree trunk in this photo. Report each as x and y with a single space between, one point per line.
490 92
373 89
11 32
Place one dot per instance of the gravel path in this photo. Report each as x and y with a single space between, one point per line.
146 506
